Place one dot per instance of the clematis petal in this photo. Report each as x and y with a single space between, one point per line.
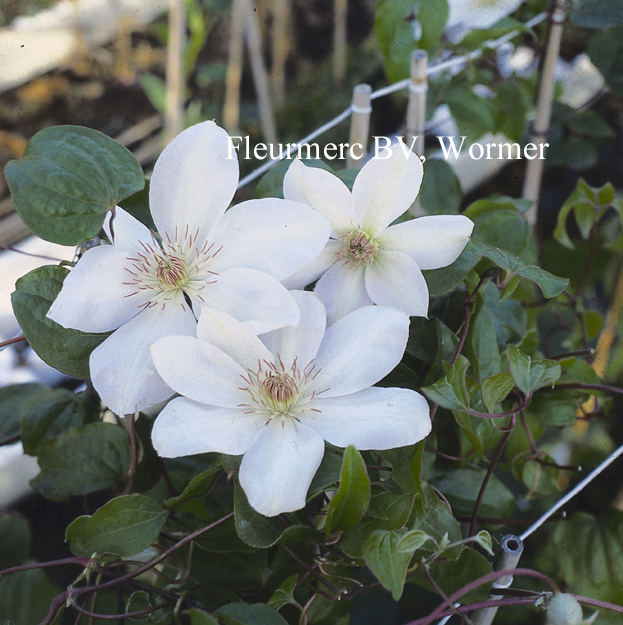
270 235
122 370
394 279
360 349
433 242
315 269
323 191
261 302
342 289
185 427
193 182
299 343
278 468
199 371
375 418
96 296
232 337
126 231
386 187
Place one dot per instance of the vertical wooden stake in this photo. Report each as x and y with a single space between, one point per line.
174 114
416 112
340 39
540 127
359 125
253 37
231 108
416 109
280 50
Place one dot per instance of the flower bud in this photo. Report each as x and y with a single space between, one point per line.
564 609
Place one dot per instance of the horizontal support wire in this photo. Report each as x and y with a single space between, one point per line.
454 62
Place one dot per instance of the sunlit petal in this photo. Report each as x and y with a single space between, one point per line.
279 466
311 272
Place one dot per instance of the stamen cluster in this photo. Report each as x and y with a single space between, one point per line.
358 248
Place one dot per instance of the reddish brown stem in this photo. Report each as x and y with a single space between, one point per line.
16 339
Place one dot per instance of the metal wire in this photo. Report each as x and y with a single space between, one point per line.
454 62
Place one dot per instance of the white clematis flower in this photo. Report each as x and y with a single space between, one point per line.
479 13
230 261
367 261
277 400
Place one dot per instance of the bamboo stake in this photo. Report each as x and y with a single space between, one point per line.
416 109
280 50
231 108
260 77
359 124
416 112
340 39
174 114
540 128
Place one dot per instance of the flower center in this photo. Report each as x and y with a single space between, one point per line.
277 392
357 248
171 271
167 269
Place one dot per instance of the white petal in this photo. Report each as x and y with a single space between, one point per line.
127 231
375 418
253 297
479 13
394 279
232 337
185 427
122 370
299 343
95 296
310 273
386 187
270 235
360 349
342 290
278 468
194 180
199 371
433 242
323 191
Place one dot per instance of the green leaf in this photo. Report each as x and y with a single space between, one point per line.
483 538
442 280
432 15
598 13
25 597
67 180
353 496
477 37
83 460
441 190
199 617
252 614
64 349
155 90
395 37
192 499
73 535
590 553
223 538
604 49
433 516
412 541
451 392
513 104
327 475
15 540
496 388
555 407
45 416
529 373
11 398
461 487
381 554
550 284
407 466
482 346
126 525
474 116
259 531
284 594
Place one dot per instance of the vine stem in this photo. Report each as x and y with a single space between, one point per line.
75 593
490 577
485 482
16 339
